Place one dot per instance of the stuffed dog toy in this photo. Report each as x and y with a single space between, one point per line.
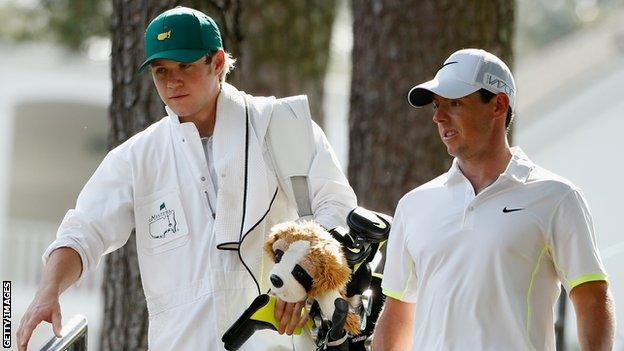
312 264
309 264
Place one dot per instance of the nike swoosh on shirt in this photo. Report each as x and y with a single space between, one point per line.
507 210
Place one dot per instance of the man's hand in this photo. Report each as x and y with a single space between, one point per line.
45 307
62 270
289 316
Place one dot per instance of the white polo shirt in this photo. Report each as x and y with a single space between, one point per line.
484 271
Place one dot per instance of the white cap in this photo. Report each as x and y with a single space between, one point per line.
463 73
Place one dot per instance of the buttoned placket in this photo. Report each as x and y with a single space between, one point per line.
472 201
469 205
202 173
208 184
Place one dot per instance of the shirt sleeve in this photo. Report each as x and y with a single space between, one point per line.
332 196
399 276
104 215
573 241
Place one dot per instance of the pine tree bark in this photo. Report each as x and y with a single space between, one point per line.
285 50
397 44
282 49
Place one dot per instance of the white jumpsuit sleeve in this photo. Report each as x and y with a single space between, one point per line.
332 196
104 215
573 242
399 276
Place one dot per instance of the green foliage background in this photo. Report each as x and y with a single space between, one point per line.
72 22
67 22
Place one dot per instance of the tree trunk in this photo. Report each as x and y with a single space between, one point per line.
397 44
285 47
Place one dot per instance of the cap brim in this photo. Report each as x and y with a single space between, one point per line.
184 56
422 94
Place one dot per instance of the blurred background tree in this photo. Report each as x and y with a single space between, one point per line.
74 22
284 48
71 23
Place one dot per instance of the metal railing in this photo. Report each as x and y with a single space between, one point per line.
73 337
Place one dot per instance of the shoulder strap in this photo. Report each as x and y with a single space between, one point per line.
292 147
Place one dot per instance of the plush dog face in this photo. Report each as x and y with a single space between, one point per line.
308 261
289 280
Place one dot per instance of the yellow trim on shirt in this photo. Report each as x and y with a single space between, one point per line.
586 278
530 291
393 294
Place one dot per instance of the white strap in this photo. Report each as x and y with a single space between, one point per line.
291 143
300 188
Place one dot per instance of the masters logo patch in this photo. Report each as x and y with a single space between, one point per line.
163 223
164 35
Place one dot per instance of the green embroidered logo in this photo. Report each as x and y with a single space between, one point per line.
164 36
162 223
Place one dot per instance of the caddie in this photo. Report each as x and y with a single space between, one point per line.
201 187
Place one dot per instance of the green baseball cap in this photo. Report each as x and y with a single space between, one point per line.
181 34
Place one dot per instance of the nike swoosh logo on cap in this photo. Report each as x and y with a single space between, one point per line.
446 64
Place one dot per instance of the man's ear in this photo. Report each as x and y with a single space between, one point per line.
218 61
501 105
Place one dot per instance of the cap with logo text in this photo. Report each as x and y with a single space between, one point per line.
181 34
463 73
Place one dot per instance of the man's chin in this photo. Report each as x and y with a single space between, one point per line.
180 112
450 150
